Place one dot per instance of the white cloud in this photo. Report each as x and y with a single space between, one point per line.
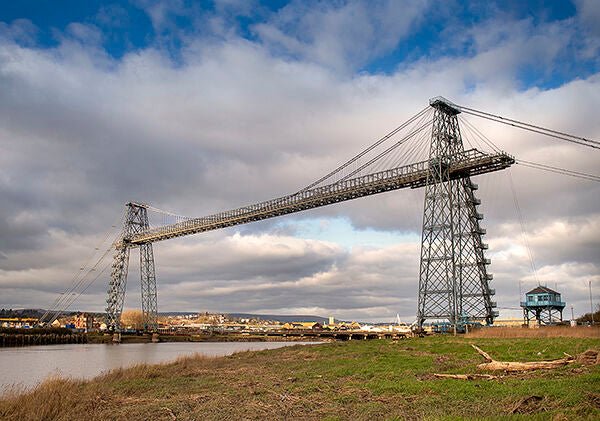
340 37
86 34
161 13
233 123
20 30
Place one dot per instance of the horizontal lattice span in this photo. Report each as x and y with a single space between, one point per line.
468 163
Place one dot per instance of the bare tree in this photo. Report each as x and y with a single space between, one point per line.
132 319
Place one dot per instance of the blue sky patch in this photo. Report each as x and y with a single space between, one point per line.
441 30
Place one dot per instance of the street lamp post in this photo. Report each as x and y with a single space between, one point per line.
591 305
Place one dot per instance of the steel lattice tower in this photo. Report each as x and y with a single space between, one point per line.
136 221
453 280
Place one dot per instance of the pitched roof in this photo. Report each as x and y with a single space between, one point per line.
542 290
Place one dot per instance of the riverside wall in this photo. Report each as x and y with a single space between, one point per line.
12 339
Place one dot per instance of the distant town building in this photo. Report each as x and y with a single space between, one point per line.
344 326
84 321
542 305
514 322
302 326
19 322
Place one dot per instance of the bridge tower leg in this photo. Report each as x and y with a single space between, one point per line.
148 277
136 221
116 287
453 278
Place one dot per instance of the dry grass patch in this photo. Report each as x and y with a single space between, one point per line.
541 332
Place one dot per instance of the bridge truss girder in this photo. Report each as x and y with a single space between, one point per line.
465 163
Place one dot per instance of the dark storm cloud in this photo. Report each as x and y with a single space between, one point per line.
358 284
239 257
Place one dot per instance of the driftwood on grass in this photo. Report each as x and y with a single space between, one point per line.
493 365
589 357
466 376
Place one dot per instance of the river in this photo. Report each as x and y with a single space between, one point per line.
26 367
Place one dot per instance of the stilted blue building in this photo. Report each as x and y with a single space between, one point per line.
543 305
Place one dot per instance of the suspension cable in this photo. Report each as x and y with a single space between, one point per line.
522 224
533 128
367 150
474 130
74 297
80 275
69 296
164 212
393 155
558 170
400 142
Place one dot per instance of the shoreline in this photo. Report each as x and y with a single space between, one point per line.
229 337
25 340
339 380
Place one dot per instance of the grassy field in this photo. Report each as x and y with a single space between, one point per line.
375 379
543 332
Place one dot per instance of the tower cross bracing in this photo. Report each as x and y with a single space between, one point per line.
136 221
453 276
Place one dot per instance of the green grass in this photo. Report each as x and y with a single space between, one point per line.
346 380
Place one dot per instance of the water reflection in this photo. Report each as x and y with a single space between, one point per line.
28 366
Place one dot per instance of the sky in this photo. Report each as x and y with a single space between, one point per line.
198 107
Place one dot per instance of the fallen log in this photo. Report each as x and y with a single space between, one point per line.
466 376
493 365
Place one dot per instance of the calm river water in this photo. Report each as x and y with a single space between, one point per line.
28 366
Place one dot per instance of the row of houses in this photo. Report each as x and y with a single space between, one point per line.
319 326
346 326
18 322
